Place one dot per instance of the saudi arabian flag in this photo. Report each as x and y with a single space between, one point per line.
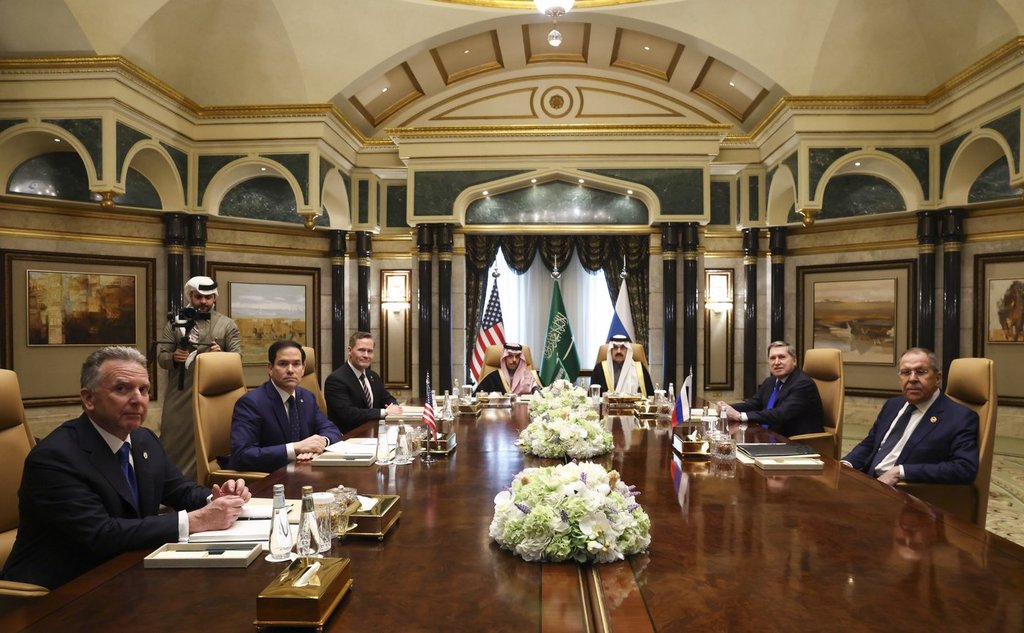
560 358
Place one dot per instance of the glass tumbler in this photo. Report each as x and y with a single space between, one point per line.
322 502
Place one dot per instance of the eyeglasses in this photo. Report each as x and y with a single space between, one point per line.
919 372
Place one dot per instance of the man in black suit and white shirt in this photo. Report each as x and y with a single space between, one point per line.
355 393
92 488
787 402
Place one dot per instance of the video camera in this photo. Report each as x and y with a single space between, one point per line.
185 319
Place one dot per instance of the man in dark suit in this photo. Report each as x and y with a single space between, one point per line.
279 421
92 489
922 436
787 402
355 393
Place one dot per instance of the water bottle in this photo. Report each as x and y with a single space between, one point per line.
308 531
280 530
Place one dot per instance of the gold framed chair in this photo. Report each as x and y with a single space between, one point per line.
311 378
825 367
493 356
15 443
972 383
219 383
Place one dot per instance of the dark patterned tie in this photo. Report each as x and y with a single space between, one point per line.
366 390
894 437
129 473
775 394
293 420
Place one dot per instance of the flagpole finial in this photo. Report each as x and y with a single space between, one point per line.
495 272
623 274
555 274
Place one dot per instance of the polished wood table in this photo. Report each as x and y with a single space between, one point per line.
732 550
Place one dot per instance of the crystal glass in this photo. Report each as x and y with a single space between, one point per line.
344 497
723 448
322 509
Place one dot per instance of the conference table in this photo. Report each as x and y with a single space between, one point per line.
732 549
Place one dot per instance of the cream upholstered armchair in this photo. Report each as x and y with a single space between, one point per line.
972 383
825 367
15 442
493 356
219 383
311 378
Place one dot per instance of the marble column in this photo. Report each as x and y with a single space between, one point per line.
425 245
445 245
777 252
690 241
174 242
364 248
927 238
669 246
339 340
751 239
196 245
952 261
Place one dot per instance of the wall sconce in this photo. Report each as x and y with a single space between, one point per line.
396 328
718 290
718 330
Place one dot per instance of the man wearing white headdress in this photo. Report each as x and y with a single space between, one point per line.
196 331
513 376
619 369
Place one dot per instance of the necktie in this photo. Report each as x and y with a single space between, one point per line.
293 420
895 435
366 390
129 473
775 394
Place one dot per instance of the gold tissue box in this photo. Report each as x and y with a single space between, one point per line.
379 519
282 604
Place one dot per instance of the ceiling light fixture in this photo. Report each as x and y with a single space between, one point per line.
554 9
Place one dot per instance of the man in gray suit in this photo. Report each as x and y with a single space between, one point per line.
195 331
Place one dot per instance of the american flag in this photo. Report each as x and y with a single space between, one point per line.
428 409
492 332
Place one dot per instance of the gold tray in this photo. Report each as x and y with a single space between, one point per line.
445 444
379 520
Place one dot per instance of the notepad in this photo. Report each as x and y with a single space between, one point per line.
253 531
789 463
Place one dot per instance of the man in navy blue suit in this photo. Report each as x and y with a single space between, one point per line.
279 421
92 488
923 436
787 402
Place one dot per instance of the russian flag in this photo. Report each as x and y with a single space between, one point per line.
681 412
622 317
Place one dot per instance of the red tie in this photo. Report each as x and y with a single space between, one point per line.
366 390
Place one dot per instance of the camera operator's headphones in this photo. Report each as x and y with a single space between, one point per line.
202 285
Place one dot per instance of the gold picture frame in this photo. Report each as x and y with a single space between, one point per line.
57 311
863 309
998 316
268 303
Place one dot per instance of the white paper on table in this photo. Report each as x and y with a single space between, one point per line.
356 446
409 413
253 531
259 508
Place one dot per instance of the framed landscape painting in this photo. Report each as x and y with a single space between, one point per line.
999 320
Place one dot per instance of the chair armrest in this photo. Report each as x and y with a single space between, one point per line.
824 442
21 589
220 476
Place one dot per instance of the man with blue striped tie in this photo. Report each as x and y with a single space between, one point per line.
787 402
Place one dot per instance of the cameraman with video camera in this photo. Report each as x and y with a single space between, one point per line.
197 329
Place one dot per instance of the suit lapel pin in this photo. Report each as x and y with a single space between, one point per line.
145 455
933 419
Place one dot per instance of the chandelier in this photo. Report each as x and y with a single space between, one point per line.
554 9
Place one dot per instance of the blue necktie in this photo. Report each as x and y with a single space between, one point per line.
775 394
293 420
129 473
894 437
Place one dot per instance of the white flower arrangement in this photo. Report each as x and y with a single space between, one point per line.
577 511
559 396
576 434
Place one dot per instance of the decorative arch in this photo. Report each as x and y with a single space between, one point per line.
25 141
334 200
539 177
241 170
880 165
153 161
781 196
979 150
